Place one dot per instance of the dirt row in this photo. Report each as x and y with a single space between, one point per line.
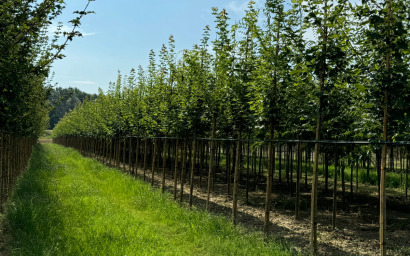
357 228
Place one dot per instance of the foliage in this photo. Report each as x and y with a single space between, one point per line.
26 54
63 100
282 66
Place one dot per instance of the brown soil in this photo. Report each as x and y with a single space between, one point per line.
357 227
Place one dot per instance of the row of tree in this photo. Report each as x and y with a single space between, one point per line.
26 53
313 70
272 71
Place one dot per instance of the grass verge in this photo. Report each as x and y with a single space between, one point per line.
66 204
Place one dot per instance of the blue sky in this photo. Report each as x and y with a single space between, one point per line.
121 33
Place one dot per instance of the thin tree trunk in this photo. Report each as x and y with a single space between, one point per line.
268 197
135 166
124 155
368 166
176 170
298 174
164 165
236 178
154 155
130 156
383 247
326 155
211 161
406 184
357 175
201 161
247 169
314 195
307 166
145 156
288 164
351 178
291 171
334 208
343 184
183 171
280 163
191 183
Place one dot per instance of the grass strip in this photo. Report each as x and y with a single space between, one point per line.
65 204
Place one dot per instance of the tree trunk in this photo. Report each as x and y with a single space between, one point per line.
326 173
135 166
334 207
298 174
268 197
164 164
291 171
211 161
314 195
357 176
191 183
176 170
247 168
280 163
351 178
183 172
130 155
145 156
154 154
236 178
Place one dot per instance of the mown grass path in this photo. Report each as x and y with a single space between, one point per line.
66 204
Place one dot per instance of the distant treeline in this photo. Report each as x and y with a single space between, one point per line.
63 100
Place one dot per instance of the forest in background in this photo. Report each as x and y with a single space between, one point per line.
63 100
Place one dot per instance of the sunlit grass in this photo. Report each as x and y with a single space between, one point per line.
69 205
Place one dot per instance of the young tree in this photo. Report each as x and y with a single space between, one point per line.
386 38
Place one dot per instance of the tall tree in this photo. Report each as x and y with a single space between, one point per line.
25 57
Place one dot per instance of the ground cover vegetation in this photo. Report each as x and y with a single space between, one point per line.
310 70
66 204
26 54
179 166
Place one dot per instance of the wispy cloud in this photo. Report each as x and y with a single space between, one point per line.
84 82
64 28
88 34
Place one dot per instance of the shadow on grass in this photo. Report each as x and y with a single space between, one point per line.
245 219
32 210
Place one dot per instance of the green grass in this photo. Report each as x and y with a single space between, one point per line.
69 205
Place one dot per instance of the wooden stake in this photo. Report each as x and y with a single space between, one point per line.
236 180
191 183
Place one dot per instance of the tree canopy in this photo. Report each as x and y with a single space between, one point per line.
280 66
26 53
